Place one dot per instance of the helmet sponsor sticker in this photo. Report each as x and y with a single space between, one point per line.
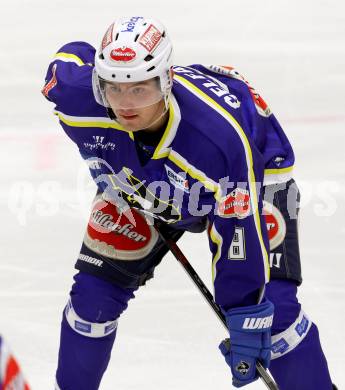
235 205
150 38
124 54
130 24
108 37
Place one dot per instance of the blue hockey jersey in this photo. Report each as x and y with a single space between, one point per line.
220 145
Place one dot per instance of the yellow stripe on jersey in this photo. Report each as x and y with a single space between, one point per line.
217 239
277 171
79 121
68 57
249 158
159 151
277 175
163 148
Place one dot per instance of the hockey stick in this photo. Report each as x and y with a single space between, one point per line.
181 258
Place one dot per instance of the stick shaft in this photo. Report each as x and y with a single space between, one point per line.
181 258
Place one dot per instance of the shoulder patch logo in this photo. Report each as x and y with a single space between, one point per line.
51 83
235 205
177 180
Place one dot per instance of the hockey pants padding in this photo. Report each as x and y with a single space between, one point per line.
88 331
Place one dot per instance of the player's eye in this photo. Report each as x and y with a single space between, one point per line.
113 89
138 90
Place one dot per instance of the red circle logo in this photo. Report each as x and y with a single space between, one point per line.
276 226
272 226
123 236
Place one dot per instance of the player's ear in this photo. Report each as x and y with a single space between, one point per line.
171 73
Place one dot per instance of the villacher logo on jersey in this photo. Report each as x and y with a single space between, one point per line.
106 221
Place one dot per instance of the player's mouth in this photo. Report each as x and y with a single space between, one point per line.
128 116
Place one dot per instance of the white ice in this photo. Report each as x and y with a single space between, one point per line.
294 53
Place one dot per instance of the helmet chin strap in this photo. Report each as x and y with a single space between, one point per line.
157 119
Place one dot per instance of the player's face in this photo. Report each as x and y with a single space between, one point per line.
136 105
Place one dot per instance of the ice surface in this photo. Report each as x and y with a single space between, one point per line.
294 53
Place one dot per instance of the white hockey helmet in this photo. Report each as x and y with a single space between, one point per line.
133 49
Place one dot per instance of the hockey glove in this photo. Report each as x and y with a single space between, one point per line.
250 335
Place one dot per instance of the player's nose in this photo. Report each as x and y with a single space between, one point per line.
125 102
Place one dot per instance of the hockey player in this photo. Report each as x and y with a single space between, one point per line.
194 147
11 377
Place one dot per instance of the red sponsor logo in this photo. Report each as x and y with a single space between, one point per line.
108 37
150 38
124 54
125 236
259 101
236 204
116 230
51 83
276 226
272 226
